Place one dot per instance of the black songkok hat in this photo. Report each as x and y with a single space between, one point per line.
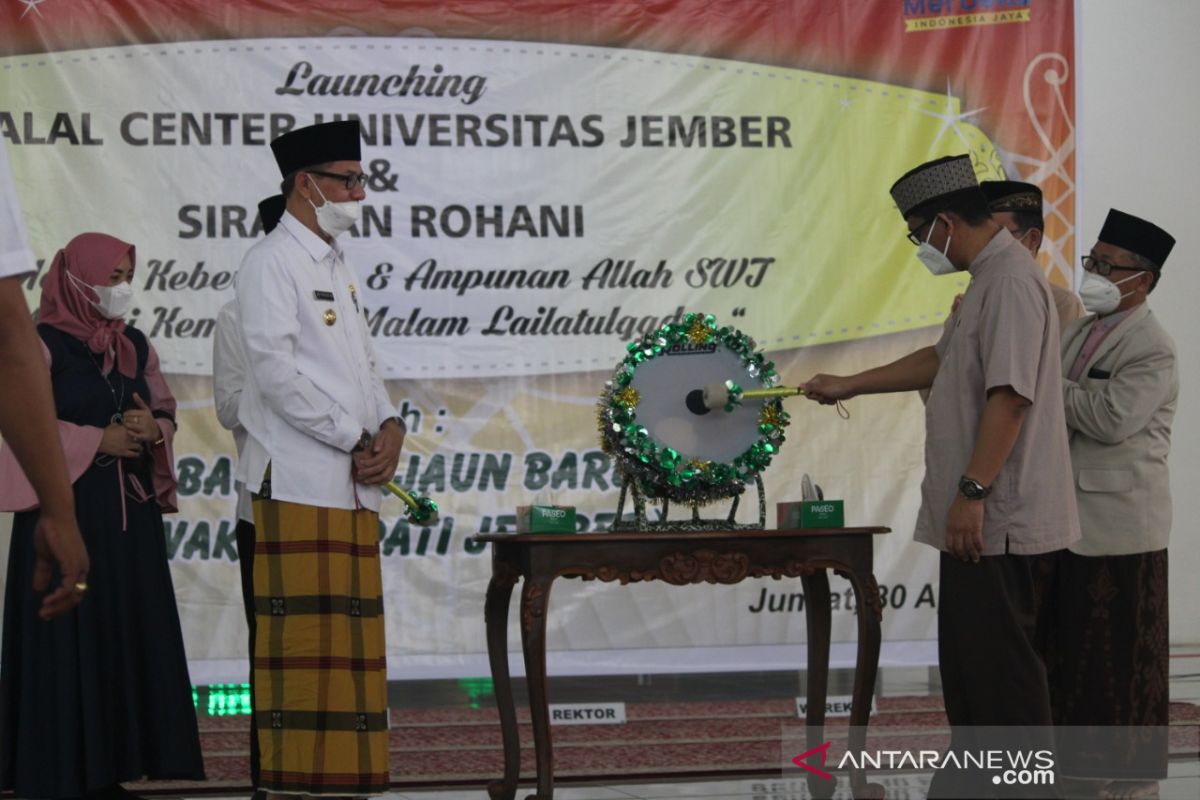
318 144
1012 196
941 179
1137 236
271 211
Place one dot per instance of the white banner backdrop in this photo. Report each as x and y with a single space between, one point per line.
531 208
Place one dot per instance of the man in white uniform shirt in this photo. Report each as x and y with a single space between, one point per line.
28 421
322 437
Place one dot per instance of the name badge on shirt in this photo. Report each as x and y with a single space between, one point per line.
323 296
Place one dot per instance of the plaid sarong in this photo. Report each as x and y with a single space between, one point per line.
320 677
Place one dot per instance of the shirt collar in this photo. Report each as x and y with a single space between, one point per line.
1110 321
318 248
1001 240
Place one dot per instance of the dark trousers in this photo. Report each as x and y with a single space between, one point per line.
992 674
244 532
1104 638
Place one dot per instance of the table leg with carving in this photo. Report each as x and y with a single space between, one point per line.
495 613
870 614
677 558
819 616
535 597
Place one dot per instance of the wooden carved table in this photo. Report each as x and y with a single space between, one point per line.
678 558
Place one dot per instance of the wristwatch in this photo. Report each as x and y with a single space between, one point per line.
364 441
972 489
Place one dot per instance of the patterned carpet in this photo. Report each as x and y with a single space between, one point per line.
464 745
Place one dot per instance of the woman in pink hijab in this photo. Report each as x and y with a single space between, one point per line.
101 695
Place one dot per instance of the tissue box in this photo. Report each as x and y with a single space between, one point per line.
810 514
545 519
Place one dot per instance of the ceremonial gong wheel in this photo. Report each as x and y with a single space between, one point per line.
668 444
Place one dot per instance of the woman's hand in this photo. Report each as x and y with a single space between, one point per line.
140 421
118 440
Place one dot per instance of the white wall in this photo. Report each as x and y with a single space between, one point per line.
1137 120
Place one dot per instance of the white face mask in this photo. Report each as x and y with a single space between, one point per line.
335 218
1099 294
934 260
113 302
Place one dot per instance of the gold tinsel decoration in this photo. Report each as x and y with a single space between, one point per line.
602 424
698 332
770 416
627 397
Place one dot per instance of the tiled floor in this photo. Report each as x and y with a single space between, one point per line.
1183 782
758 789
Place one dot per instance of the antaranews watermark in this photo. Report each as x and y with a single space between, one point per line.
979 761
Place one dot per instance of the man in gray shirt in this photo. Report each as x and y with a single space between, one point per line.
997 468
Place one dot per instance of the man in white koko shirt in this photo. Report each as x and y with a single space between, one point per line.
322 437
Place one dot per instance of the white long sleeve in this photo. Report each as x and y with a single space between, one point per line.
311 385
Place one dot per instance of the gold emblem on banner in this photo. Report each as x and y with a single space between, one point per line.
937 22
330 316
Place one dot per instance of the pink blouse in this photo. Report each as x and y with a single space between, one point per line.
81 443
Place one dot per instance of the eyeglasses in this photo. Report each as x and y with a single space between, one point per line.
353 180
1093 264
913 235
